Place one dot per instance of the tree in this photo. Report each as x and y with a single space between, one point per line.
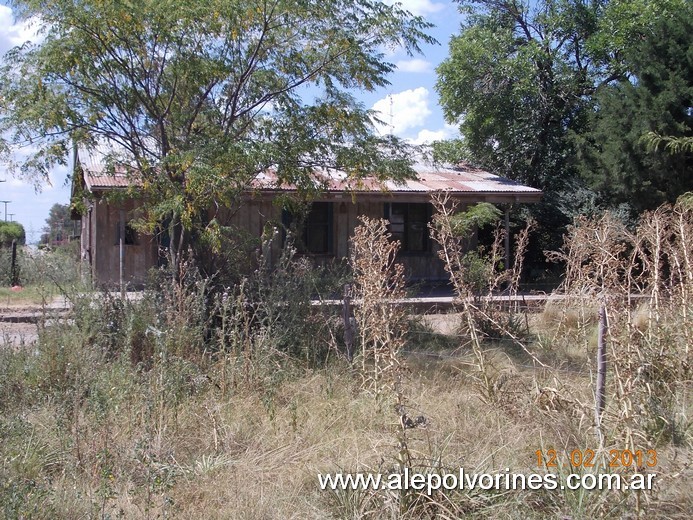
515 81
199 97
561 94
623 157
10 231
59 225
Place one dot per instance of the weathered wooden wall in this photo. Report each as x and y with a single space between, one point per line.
255 218
105 248
255 214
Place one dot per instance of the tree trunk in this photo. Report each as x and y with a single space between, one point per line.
177 242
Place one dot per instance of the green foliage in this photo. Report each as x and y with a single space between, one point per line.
514 81
475 217
517 81
10 231
478 271
452 151
59 225
520 81
686 201
256 319
589 101
673 145
199 97
638 149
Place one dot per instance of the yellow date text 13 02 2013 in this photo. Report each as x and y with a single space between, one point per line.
587 458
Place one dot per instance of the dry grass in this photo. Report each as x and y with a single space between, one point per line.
130 448
219 415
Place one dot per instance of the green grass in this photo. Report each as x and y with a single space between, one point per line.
30 295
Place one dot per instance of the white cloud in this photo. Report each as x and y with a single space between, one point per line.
403 111
419 7
415 65
427 136
12 33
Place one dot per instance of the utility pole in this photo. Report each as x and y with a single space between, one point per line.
5 202
12 215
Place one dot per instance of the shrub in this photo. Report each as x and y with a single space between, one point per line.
10 231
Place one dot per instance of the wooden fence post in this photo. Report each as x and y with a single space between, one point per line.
121 253
600 393
349 332
14 273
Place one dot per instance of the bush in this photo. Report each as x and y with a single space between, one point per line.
5 266
10 231
51 267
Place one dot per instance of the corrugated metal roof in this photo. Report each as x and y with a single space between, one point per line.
96 174
101 182
462 180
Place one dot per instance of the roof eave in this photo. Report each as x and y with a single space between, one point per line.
476 196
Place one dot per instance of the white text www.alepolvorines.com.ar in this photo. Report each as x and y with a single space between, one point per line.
502 481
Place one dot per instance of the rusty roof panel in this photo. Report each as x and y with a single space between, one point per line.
100 182
463 180
96 174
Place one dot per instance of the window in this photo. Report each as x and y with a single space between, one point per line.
315 234
130 238
409 224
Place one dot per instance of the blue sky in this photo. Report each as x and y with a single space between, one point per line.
409 106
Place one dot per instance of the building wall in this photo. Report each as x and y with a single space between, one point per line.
255 218
104 251
256 215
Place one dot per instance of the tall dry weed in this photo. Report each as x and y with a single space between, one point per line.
382 324
642 280
481 317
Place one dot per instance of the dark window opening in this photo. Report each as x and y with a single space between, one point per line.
313 233
130 238
409 224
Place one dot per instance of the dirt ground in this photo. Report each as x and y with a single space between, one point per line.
17 334
442 323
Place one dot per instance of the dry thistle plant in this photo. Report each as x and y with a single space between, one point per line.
382 324
493 320
607 264
451 253
478 314
595 263
521 244
593 256
643 282
656 374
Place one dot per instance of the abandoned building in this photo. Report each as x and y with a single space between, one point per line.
327 227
